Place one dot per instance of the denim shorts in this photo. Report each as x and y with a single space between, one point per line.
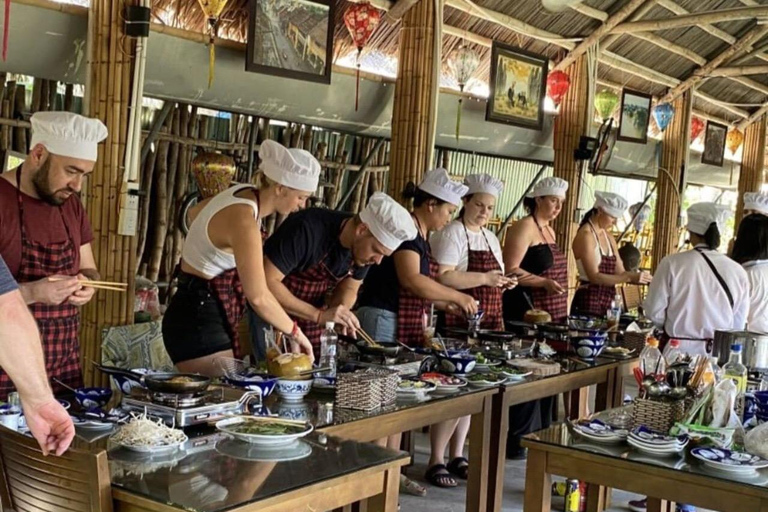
381 324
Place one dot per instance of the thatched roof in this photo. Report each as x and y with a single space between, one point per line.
659 66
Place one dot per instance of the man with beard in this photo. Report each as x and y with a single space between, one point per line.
317 259
46 240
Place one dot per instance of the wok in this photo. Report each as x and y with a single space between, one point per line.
364 348
162 382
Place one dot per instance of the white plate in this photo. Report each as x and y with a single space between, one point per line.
242 450
516 376
430 386
675 450
92 424
261 439
154 450
727 460
603 440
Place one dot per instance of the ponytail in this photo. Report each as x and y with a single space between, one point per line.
712 237
419 197
587 216
529 203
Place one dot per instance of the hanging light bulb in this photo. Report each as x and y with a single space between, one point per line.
462 62
361 20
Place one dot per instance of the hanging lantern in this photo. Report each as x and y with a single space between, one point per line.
734 139
462 62
558 83
663 114
212 10
697 126
605 103
361 20
213 173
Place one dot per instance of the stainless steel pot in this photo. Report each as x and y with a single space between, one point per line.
754 348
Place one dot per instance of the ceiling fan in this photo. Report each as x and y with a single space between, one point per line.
558 5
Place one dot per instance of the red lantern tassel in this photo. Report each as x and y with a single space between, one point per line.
458 120
6 28
357 87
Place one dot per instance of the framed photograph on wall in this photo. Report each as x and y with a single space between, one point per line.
518 87
635 114
714 144
291 38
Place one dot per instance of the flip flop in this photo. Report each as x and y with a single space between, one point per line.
439 476
459 467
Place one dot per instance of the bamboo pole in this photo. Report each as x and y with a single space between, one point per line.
36 94
147 182
751 176
161 210
20 138
69 97
53 94
687 20
182 183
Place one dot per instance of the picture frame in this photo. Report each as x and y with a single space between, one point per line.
518 87
634 116
291 39
714 144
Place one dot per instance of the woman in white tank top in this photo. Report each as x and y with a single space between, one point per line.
222 264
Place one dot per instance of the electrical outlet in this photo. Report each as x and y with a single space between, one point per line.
129 210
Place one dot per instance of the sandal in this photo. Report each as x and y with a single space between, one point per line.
408 486
459 467
439 476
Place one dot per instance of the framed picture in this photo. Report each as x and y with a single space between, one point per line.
291 38
714 144
518 87
635 116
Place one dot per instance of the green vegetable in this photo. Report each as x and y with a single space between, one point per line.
266 428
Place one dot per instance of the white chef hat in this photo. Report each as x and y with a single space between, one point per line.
438 184
294 168
68 134
702 215
483 184
612 204
549 186
756 201
388 221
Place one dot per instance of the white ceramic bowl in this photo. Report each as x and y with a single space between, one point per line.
293 390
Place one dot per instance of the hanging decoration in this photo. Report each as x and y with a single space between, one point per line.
212 10
213 173
733 140
697 127
462 62
361 20
558 83
663 114
605 103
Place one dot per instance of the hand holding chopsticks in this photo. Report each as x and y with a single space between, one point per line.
99 285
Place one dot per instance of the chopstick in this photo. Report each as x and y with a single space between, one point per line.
367 337
99 285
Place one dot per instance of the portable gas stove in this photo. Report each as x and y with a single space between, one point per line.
183 410
405 364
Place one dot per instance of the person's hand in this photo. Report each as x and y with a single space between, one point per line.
645 278
341 316
466 303
300 345
50 425
82 296
553 287
639 277
495 279
54 290
453 309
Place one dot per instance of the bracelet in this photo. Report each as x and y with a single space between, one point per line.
295 330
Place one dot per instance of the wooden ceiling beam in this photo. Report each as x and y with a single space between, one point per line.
688 20
757 114
748 82
604 29
739 71
590 12
711 29
652 38
398 10
450 30
638 14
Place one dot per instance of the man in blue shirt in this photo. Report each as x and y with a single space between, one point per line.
21 356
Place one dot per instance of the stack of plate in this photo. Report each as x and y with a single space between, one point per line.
737 463
656 443
599 432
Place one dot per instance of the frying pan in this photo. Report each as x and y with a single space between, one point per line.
161 382
364 348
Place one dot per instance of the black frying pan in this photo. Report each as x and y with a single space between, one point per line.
163 382
364 348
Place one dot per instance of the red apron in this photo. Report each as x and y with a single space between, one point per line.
312 286
411 310
489 297
58 325
554 304
594 299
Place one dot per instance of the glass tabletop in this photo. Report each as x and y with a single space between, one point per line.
214 473
561 436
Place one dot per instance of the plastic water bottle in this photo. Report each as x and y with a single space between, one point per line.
651 360
735 370
328 342
673 353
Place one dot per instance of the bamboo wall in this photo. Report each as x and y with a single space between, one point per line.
674 158
413 121
751 176
570 125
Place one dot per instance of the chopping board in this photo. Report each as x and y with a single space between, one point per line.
539 367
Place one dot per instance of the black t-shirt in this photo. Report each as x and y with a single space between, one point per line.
381 289
308 236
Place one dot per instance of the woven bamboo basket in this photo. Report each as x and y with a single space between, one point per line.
635 340
367 389
657 415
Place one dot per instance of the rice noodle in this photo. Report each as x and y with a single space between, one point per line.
144 432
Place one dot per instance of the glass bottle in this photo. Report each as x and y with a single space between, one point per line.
328 341
735 370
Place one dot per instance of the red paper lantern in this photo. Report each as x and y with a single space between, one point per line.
361 20
558 83
697 126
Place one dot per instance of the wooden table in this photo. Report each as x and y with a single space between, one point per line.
551 452
607 375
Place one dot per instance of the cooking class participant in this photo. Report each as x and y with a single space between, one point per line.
751 251
469 259
697 292
469 255
46 236
595 250
395 296
531 247
222 264
317 259
21 356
